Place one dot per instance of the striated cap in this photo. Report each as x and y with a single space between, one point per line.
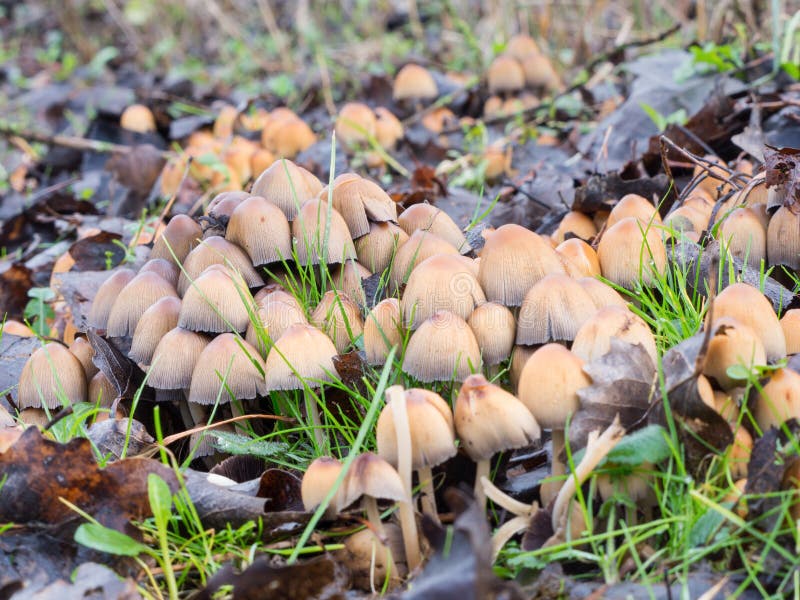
442 349
141 293
50 375
229 369
302 356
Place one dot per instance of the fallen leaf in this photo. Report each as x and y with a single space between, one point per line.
280 490
114 437
15 281
601 192
783 169
89 580
120 370
97 252
138 171
350 367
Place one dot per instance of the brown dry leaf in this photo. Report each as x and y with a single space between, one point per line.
137 170
783 169
281 491
121 371
40 472
15 282
93 253
350 367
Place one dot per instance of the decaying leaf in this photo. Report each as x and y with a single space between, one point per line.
114 437
15 281
94 253
783 169
280 490
138 171
121 371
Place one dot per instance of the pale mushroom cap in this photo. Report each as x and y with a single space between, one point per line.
261 229
167 269
230 360
218 301
733 343
217 250
287 186
371 475
101 389
443 348
549 385
339 318
51 373
304 349
156 321
382 331
505 75
746 237
520 45
290 137
84 352
750 307
634 206
580 259
539 72
106 295
318 481
175 358
780 399
138 118
224 203
419 246
388 128
427 217
553 310
376 249
414 82
601 293
430 421
141 293
512 261
593 339
276 312
576 223
360 201
309 232
495 328
783 238
355 124
629 250
686 219
348 278
489 420
790 323
180 235
441 282
519 356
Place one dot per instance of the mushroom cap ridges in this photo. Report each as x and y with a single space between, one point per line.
443 348
382 330
310 229
154 324
302 356
216 250
371 475
749 306
553 310
495 328
218 301
50 375
261 229
174 359
229 369
429 218
287 185
141 293
593 339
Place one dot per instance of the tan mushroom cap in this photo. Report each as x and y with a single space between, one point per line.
601 293
106 295
576 223
686 219
286 185
52 373
780 399
414 82
167 269
355 124
348 278
261 229
553 310
290 137
430 421
629 250
539 72
441 282
155 323
217 302
276 312
302 356
371 475
175 358
549 385
593 339
580 259
138 118
376 249
489 420
783 238
520 45
388 128
216 250
382 331
733 343
634 206
745 236
141 293
505 75
790 323
495 328
360 201
427 217
512 261
519 356
318 480
750 307
310 229
84 352
443 348
419 246
180 235
224 203
339 317
101 390
230 360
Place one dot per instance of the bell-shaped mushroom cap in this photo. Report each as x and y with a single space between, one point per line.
287 186
790 323
290 137
388 128
733 343
418 247
750 307
217 250
489 420
441 282
519 356
575 223
318 480
636 206
630 250
414 82
495 328
310 229
138 118
512 261
355 124
156 321
686 220
106 295
376 249
553 310
783 238
779 399
50 375
360 201
593 339
371 475
746 237
432 432
302 356
427 217
229 364
443 348
601 293
520 45
101 390
223 204
216 302
549 385
339 318
141 293
505 75
382 331
349 277
276 312
180 235
84 352
539 72
175 358
580 259
167 269
261 229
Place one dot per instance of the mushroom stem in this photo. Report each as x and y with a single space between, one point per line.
509 529
482 471
492 371
408 523
313 412
374 517
428 496
558 468
505 501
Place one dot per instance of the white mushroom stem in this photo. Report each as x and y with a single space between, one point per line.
557 436
482 471
374 518
503 500
408 522
509 529
428 496
313 412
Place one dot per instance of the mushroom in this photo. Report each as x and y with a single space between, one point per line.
577 224
520 45
141 293
355 124
634 206
601 293
686 220
228 369
519 356
261 229
175 358
318 481
349 278
154 324
579 258
106 295
783 238
505 75
217 301
160 266
442 349
339 318
320 237
494 327
427 217
490 420
539 72
217 250
371 559
593 339
790 323
275 313
382 331
84 352
553 310
779 399
287 186
418 247
359 201
101 391
746 237
52 377
138 118
223 204
180 235
414 83
388 128
290 137
376 249
733 343
630 251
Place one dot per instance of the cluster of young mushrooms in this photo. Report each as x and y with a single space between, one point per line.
211 319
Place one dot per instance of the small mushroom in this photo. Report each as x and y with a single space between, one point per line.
779 399
318 481
601 293
553 310
217 301
154 324
790 323
442 349
106 295
275 312
630 251
319 239
733 343
261 229
494 327
577 224
376 249
505 75
174 359
160 266
339 318
355 125
427 217
180 235
51 377
138 118
750 307
359 201
388 128
349 278
286 185
84 352
419 246
593 339
141 293
228 369
745 236
217 250
634 206
783 238
414 83
382 331
579 258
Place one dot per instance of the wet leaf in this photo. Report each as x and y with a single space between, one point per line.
350 367
600 191
540 529
97 252
89 580
121 371
114 438
280 490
